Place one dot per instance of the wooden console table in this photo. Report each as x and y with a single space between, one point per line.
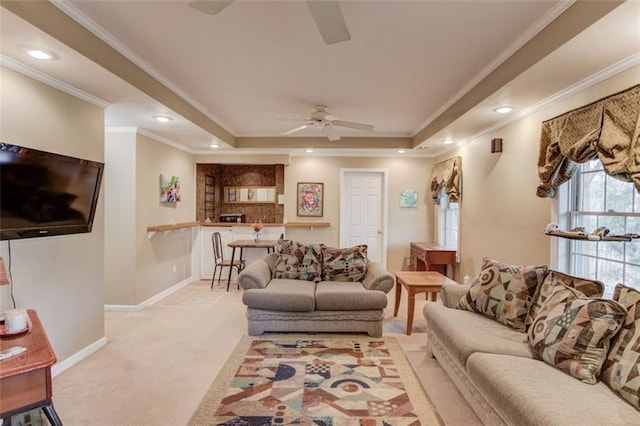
432 257
25 379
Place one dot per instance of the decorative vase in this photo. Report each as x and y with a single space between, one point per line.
257 236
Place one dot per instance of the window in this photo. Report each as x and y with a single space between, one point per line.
595 199
448 222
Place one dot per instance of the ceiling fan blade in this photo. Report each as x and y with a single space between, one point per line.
352 125
329 20
210 7
330 132
297 129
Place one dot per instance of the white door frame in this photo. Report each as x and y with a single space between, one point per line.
385 205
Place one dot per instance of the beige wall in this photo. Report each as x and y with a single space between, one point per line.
61 277
120 218
501 216
404 225
156 257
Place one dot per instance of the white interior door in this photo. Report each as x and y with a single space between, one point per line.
362 220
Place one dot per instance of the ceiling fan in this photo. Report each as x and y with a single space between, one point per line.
326 14
326 121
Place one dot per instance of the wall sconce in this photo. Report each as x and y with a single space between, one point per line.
496 145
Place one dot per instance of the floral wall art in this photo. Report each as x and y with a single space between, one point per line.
310 199
169 189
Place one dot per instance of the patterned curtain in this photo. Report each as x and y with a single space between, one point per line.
608 129
446 174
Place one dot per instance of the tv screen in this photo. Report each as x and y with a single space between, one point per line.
44 194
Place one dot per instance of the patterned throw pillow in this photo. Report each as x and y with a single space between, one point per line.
298 261
590 288
621 371
573 332
344 264
504 293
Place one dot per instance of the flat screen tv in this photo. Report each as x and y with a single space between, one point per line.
44 194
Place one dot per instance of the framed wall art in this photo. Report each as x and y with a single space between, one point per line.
408 198
169 189
310 199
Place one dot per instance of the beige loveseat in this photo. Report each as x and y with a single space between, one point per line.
505 380
313 305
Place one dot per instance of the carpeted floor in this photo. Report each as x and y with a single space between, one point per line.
159 362
319 380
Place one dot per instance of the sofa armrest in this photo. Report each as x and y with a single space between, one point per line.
378 278
256 275
450 294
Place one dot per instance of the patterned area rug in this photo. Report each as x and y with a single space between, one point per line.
316 380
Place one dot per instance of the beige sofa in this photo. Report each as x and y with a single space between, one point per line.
502 378
294 305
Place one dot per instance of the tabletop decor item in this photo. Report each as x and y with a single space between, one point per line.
257 230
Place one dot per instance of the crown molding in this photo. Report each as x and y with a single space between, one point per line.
524 38
72 11
149 134
592 80
50 81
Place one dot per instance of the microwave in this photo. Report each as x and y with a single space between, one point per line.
233 218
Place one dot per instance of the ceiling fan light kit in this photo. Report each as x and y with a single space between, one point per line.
325 121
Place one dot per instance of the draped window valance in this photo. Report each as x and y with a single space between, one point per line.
446 174
608 129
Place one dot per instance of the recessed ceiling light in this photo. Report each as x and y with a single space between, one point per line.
447 141
308 150
39 54
214 145
503 109
162 118
401 151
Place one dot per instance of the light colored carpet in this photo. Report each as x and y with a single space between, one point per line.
160 361
316 379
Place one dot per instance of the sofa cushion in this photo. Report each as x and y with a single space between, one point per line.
621 369
528 392
462 333
590 288
344 264
298 261
504 292
347 296
573 332
282 295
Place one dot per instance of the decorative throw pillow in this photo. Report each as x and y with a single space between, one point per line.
298 261
590 288
344 264
573 333
503 292
621 371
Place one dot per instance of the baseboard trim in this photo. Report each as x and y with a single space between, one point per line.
69 362
149 301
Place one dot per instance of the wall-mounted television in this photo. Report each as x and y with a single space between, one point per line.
45 194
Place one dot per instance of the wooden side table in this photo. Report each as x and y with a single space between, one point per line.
25 379
432 257
416 282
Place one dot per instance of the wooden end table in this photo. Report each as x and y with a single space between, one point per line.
418 282
25 379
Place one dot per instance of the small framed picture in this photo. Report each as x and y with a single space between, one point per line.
310 199
408 198
169 189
